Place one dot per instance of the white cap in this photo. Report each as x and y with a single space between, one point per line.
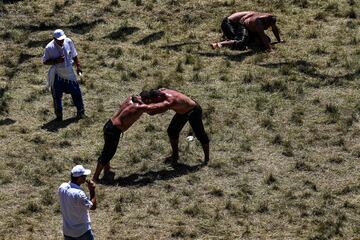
79 171
59 34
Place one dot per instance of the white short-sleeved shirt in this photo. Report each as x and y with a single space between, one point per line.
75 207
53 51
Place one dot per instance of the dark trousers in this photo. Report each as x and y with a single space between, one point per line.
194 117
62 86
111 138
235 31
86 236
242 37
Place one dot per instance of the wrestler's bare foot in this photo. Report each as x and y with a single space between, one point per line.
215 45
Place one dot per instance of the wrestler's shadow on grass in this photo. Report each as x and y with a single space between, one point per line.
139 180
54 125
177 46
310 69
301 66
237 57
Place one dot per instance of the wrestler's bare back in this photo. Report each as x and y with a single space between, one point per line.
248 19
127 114
180 103
241 16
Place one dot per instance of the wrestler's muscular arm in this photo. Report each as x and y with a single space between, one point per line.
275 30
260 31
129 115
156 108
125 103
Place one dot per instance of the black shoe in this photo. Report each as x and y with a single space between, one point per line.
171 160
59 118
81 115
206 162
109 177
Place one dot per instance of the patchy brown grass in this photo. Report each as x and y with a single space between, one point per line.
284 127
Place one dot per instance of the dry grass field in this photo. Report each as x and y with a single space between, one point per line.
284 127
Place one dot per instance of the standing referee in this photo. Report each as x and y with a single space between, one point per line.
61 54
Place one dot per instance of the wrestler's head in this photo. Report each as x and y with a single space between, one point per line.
136 99
151 96
268 21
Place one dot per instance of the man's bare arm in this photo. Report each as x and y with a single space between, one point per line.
77 64
275 30
91 187
156 108
148 109
265 41
261 32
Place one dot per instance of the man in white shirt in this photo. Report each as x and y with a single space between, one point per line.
61 54
75 205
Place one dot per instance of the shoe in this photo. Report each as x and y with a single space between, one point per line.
171 160
59 118
109 177
81 115
206 162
